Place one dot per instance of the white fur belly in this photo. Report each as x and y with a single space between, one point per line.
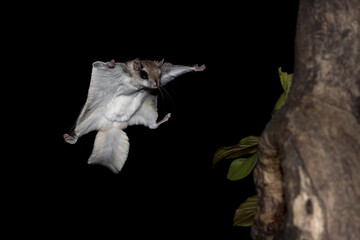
121 108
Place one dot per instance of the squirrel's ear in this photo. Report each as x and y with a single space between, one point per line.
159 64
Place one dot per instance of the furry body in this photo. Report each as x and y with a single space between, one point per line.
119 96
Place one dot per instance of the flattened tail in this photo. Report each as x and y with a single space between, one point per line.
111 149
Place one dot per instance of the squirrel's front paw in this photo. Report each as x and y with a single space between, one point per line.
110 64
198 69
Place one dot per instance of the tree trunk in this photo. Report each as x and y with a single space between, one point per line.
308 173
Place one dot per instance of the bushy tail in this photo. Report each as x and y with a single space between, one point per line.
111 149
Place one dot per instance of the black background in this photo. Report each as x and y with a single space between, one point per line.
167 187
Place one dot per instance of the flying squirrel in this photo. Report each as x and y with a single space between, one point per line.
121 95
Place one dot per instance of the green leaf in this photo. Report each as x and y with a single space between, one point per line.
241 167
244 215
249 141
279 103
286 80
249 150
247 145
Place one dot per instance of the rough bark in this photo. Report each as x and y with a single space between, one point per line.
308 174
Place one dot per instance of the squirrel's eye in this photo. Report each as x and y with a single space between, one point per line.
143 74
